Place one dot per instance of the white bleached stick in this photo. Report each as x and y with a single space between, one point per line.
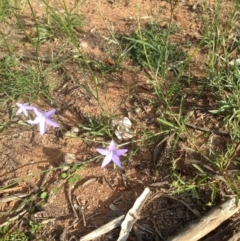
133 215
103 229
200 227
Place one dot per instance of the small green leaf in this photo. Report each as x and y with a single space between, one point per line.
194 193
56 190
214 191
77 176
64 175
198 168
202 180
72 180
74 167
166 123
43 195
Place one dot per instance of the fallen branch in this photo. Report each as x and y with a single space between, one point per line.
200 227
133 215
228 232
235 237
16 196
216 132
12 189
13 219
103 229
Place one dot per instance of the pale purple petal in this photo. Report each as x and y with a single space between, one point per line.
50 113
102 151
116 160
42 126
25 111
22 108
52 123
19 105
112 146
107 159
37 111
34 122
29 108
120 152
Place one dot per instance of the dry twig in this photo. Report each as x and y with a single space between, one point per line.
133 215
103 229
200 227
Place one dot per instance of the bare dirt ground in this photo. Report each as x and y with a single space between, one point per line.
25 154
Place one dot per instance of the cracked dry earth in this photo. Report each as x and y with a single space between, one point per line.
71 211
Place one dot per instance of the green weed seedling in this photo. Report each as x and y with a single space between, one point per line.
17 83
6 234
97 126
6 8
71 178
150 47
54 26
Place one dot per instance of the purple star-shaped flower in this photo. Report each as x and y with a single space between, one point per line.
23 108
111 154
43 119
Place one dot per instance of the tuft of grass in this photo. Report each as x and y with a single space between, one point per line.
150 47
165 62
10 235
6 8
97 127
55 26
223 77
19 83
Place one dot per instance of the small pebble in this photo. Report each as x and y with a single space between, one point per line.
69 158
74 129
83 44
